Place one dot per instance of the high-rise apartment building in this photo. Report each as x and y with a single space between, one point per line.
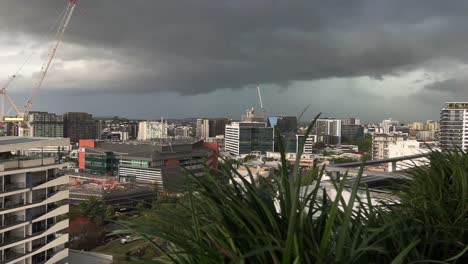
78 126
432 125
33 208
453 125
100 125
381 142
245 137
148 130
43 124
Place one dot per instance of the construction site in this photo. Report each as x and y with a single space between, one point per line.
111 192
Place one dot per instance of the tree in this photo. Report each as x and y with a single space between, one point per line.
110 212
92 208
364 144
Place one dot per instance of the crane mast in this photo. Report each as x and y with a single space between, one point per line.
261 101
21 118
45 68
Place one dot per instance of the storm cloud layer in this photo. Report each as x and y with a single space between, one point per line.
198 46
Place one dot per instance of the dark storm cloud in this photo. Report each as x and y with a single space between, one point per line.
197 46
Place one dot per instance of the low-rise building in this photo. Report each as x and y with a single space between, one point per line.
161 163
406 148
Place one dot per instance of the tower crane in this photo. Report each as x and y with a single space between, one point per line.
261 101
21 117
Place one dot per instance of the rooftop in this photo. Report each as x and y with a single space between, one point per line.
10 143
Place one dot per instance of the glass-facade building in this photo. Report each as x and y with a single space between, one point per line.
102 162
246 137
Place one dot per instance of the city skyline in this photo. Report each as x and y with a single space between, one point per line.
404 61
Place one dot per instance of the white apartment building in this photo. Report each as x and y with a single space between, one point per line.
454 125
406 148
381 142
148 130
33 208
203 128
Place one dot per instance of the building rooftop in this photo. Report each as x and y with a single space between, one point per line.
149 150
10 143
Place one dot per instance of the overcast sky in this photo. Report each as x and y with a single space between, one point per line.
371 59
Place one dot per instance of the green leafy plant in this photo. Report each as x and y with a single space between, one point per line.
291 218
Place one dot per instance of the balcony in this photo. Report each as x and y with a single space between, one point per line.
9 239
12 220
13 204
12 187
10 255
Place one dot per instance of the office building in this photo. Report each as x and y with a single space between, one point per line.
453 128
245 137
33 207
43 124
284 124
380 143
149 130
350 121
350 132
287 128
100 125
328 130
158 163
79 126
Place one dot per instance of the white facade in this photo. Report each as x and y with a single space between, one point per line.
406 148
388 125
33 208
148 130
203 128
381 142
454 125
